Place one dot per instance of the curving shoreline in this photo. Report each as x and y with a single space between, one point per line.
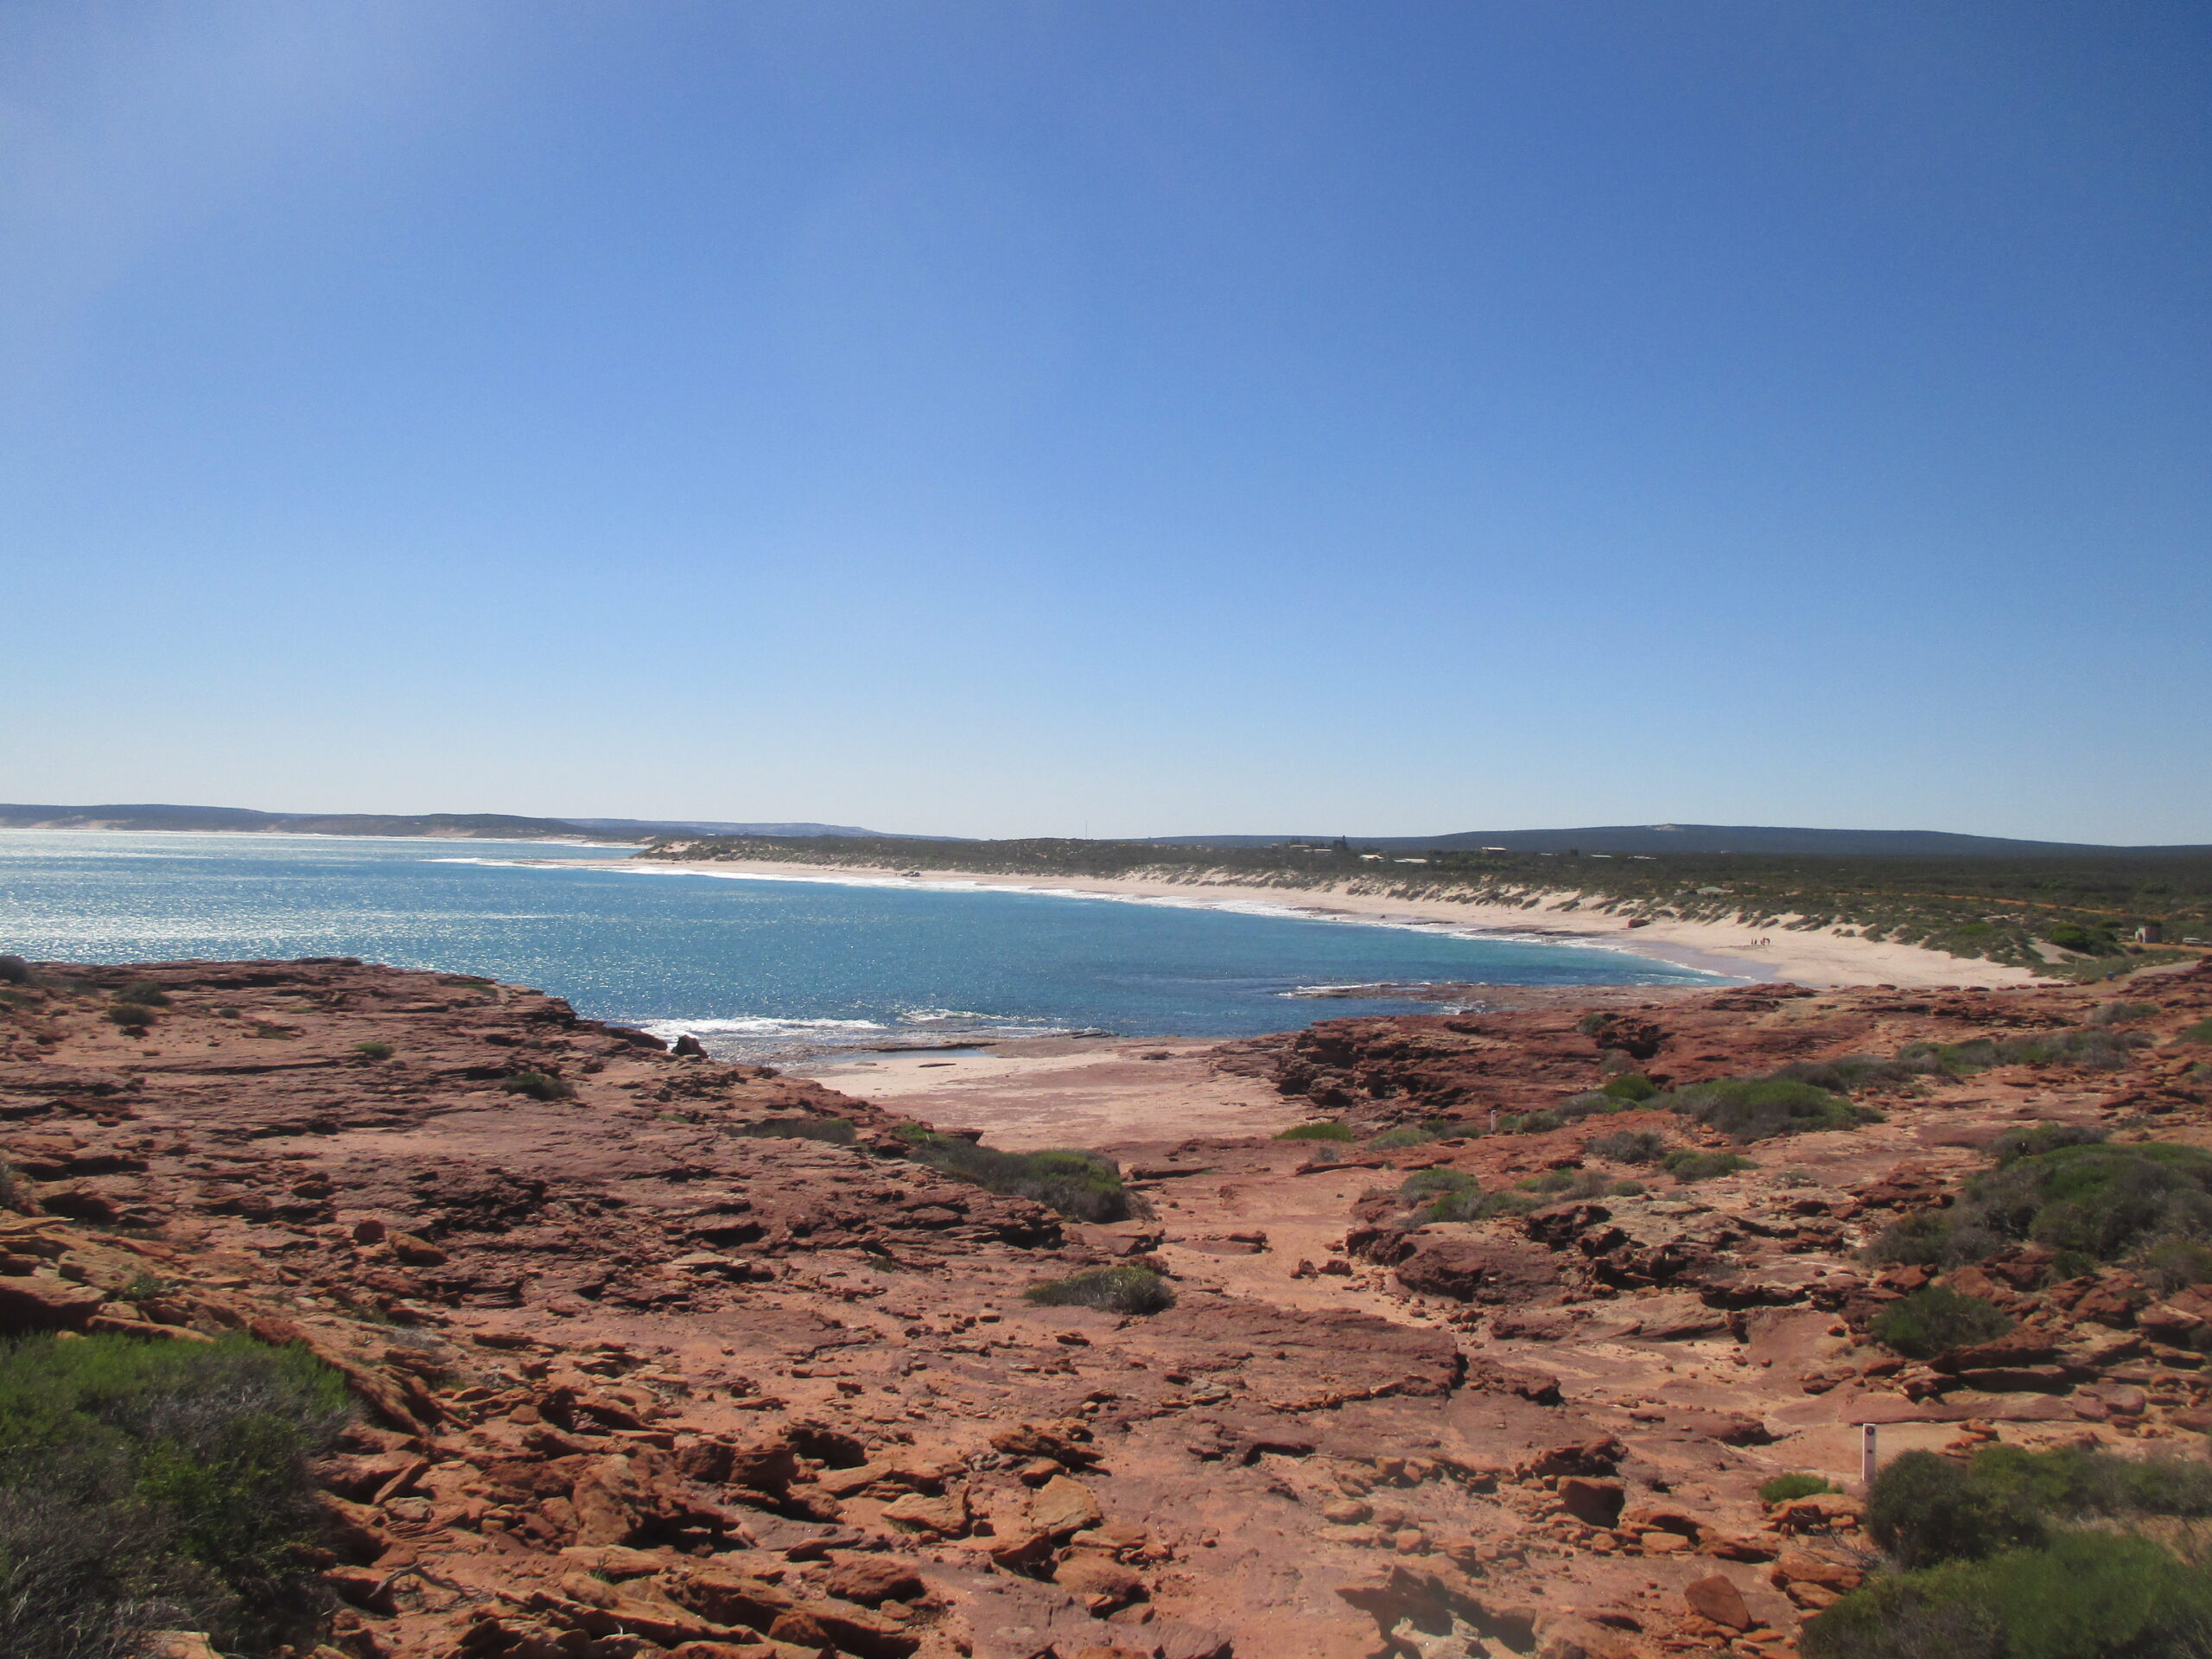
1724 949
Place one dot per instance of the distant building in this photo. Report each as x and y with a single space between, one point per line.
2150 933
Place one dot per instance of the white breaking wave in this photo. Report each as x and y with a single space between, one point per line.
668 1030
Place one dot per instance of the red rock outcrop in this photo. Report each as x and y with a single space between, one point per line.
637 1379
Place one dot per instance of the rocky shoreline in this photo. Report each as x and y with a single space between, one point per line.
635 1379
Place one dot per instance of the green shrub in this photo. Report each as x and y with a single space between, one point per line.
374 1051
1411 1134
2086 1595
1530 1122
2072 936
2120 1013
1784 1488
537 1085
1588 1104
132 1016
1687 1165
2038 1138
1926 1509
2103 1049
2104 1201
1936 1320
151 1485
1759 1108
1085 1185
1496 1204
13 970
1628 1189
1124 1289
1422 1183
1629 1085
833 1131
2172 1264
1327 1130
1935 1238
1629 1147
2199 1033
2062 1186
1851 1072
145 992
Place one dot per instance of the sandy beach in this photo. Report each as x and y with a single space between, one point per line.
1731 949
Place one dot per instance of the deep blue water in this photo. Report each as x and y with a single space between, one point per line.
756 967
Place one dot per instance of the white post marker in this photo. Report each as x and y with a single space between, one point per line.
1866 1454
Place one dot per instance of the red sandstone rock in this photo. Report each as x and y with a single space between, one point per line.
1719 1600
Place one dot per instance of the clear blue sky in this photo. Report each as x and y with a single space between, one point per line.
1039 417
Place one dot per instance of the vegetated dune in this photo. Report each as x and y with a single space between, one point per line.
652 1355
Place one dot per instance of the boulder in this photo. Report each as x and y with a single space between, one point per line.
1719 1600
1479 1271
45 1302
1063 1506
872 1580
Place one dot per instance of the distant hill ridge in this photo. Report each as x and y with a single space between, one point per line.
1702 838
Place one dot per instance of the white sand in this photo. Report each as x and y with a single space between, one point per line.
1726 948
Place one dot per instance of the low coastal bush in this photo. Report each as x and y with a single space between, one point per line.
1427 1183
1784 1488
1442 1195
2103 1049
2057 1186
374 1051
2083 941
2170 1265
537 1085
1084 1185
1629 1147
131 1016
145 994
1322 1131
833 1131
1530 1122
1569 1184
13 970
1990 1569
1851 1072
1759 1108
1936 1319
152 1486
1125 1289
1417 1134
1629 1086
1588 1104
2199 1033
1687 1165
2088 1595
2120 1013
2038 1138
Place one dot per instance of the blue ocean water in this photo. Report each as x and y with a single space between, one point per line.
759 969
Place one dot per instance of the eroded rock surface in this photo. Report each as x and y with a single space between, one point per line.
635 1382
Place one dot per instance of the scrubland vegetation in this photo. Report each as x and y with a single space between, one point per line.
2028 1556
1084 1185
2058 914
150 1485
1124 1289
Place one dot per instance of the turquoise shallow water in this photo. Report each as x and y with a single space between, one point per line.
758 967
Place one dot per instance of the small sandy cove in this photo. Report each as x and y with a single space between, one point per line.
1725 948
